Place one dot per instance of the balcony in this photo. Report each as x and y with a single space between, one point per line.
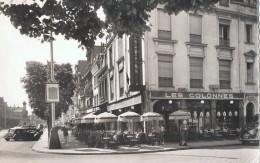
224 42
195 38
165 35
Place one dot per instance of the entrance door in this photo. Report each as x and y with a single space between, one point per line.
249 112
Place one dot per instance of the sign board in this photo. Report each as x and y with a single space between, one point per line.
52 92
125 103
195 95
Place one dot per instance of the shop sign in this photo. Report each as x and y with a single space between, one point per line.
125 103
194 95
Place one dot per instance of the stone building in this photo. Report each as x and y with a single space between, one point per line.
205 64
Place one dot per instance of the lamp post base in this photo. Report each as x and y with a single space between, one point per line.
54 141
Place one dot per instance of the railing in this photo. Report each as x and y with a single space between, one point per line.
195 38
166 35
224 42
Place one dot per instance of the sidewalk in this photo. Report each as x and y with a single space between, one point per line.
74 147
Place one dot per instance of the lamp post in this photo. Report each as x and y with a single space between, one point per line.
52 96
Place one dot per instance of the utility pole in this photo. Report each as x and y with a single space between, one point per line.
52 79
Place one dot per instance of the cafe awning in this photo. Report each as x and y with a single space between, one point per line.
151 116
179 114
129 117
90 118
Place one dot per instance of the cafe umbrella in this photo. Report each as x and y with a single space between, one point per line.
90 118
150 116
105 117
130 117
179 115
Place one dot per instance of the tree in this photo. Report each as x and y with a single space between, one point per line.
34 84
78 19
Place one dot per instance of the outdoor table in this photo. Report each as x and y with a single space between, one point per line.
152 137
106 141
130 137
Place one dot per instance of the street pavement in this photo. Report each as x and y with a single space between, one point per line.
20 152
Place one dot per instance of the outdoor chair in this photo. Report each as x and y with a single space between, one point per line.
120 139
205 135
98 141
141 137
91 140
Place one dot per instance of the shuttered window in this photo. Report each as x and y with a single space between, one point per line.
249 72
195 28
121 83
196 72
111 57
224 74
164 25
120 47
165 71
111 88
248 33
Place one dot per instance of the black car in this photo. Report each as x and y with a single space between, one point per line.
250 133
21 133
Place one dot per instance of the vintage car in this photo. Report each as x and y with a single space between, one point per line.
22 133
250 133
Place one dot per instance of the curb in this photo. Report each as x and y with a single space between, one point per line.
134 152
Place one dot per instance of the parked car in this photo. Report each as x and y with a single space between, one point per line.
22 133
250 133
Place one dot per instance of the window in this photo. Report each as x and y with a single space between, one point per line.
248 33
165 71
121 83
135 60
251 2
224 74
196 72
249 72
110 57
195 28
120 47
111 88
224 3
224 26
164 25
224 34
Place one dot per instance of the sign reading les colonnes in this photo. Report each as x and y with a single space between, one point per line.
195 95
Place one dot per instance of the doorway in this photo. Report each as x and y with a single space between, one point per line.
250 112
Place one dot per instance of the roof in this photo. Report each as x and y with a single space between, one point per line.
81 66
95 51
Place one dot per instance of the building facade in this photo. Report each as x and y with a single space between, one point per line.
202 63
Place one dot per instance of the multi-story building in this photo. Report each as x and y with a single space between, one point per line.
202 63
79 94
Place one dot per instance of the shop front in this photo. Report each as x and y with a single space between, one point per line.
207 111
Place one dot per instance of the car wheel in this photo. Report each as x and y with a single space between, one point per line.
7 139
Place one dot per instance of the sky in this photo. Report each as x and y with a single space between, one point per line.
16 49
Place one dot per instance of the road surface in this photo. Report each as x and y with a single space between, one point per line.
20 151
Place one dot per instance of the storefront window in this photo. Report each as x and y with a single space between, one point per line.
200 114
227 114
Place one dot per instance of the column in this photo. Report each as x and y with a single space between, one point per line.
183 105
241 114
213 114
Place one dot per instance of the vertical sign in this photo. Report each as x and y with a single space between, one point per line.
52 92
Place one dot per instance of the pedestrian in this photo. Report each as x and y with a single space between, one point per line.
184 133
65 134
162 131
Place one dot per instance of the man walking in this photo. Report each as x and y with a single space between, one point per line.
65 134
184 133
